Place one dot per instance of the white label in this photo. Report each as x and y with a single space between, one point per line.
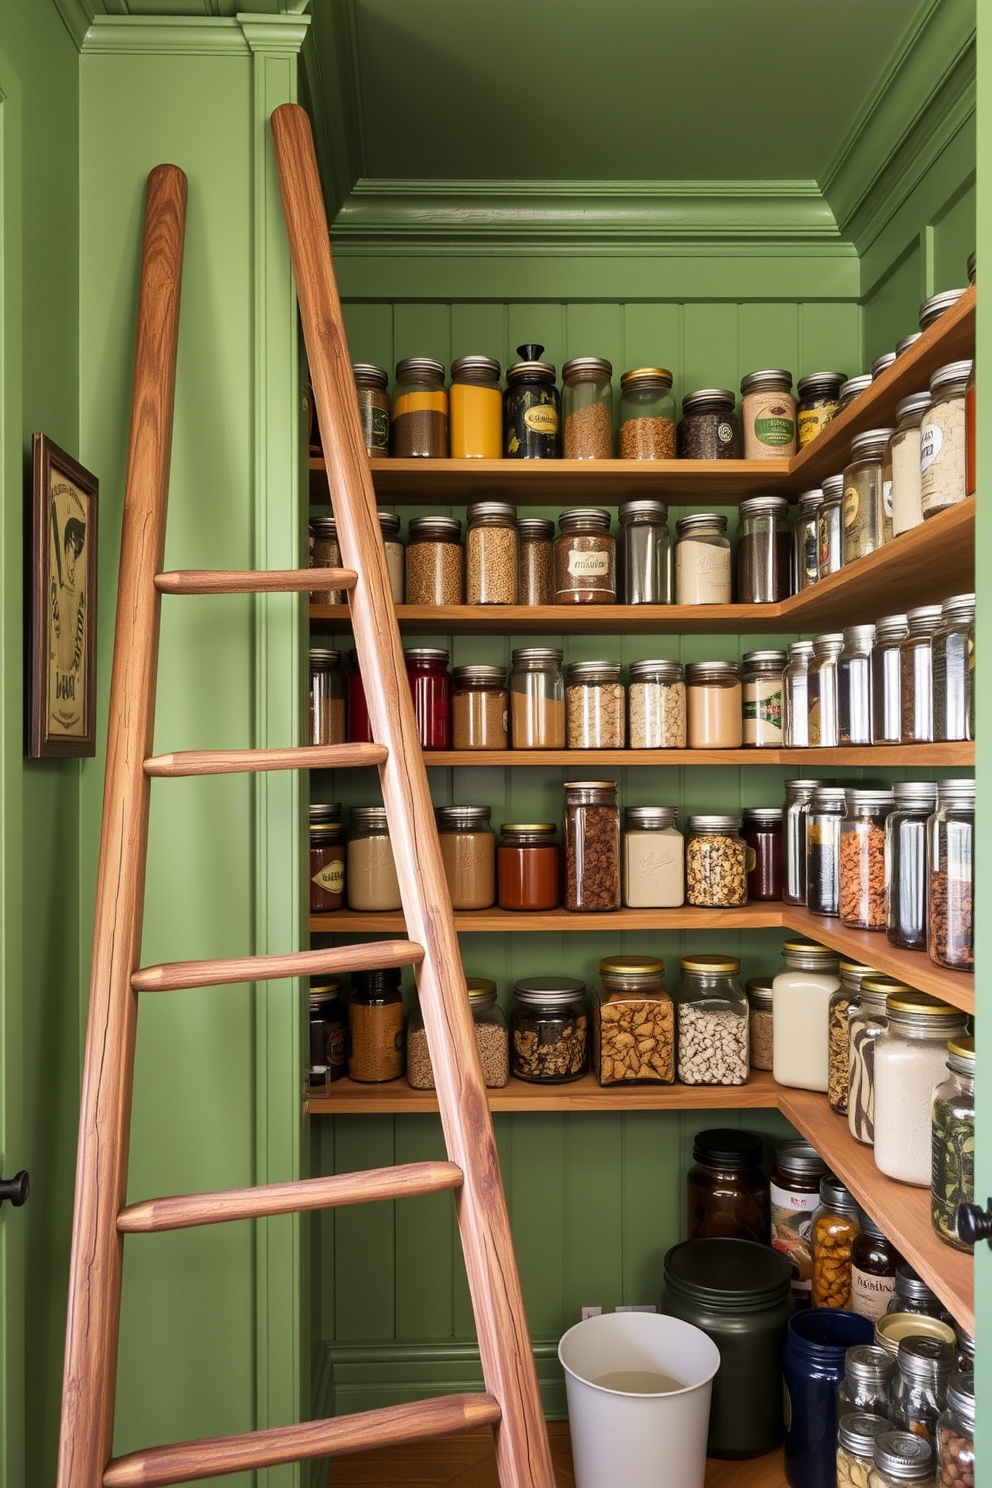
588 565
870 1295
931 443
887 497
792 1219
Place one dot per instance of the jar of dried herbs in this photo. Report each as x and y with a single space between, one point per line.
708 428
373 407
531 408
592 845
953 1122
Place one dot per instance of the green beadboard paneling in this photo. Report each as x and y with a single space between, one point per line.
423 1227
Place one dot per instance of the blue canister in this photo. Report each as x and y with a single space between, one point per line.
816 1341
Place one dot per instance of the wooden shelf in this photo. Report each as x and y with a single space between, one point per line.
901 756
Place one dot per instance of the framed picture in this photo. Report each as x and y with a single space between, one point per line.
62 664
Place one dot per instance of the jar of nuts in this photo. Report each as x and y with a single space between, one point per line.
713 1022
956 1435
856 1437
633 1022
592 845
900 1457
836 1223
862 858
715 862
548 1025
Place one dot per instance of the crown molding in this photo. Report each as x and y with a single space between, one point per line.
77 17
164 30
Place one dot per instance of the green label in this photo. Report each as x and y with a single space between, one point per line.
774 431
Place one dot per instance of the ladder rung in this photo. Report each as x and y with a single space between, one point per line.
369 956
238 761
257 581
186 1211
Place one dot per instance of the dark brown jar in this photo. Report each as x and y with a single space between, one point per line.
873 1270
376 1035
328 1035
326 858
708 429
528 866
726 1191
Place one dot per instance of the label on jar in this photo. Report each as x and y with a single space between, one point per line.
588 565
542 419
811 558
792 1219
378 429
762 713
337 1047
330 878
931 444
812 420
774 427
870 1295
725 433
852 505
887 497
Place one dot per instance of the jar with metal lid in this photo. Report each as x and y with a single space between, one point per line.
952 651
966 1350
916 674
647 414
853 388
708 428
881 364
371 384
537 698
886 684
592 845
759 1022
952 1120
817 1341
854 700
645 553
819 399
768 415
801 991
328 1036
900 1457
806 541
420 410
535 561
862 859
868 1019
528 866
531 408
909 1061
491 1039
873 1267
326 696
942 440
867 523
919 1390
970 433
951 876
906 864
762 832
902 463
326 858
905 342
491 553
726 1191
856 1434
548 1028
434 561
761 698
843 1005
836 1223
713 705
656 705
702 560
823 723
430 686
823 820
587 408
956 1434
868 1371
595 707
359 728
389 526
795 695
653 874
932 309
468 852
476 409
370 872
913 1300
585 557
798 795
633 1023
325 553
795 1194
830 526
376 1036
764 550
715 862
712 1019
479 707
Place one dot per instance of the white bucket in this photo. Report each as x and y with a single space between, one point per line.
629 1439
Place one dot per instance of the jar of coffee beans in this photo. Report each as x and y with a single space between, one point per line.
708 428
592 845
420 410
647 415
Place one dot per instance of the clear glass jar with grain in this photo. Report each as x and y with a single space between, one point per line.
656 705
535 561
491 553
434 561
492 1039
325 553
595 711
647 414
587 408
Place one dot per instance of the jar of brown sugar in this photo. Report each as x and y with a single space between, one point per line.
479 707
759 1002
434 561
325 553
713 705
768 414
373 407
420 410
371 879
535 561
585 557
647 415
592 845
491 553
326 697
587 407
528 866
376 1039
326 858
468 851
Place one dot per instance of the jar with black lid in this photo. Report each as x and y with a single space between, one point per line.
762 833
587 408
708 428
768 415
854 701
873 1270
371 385
830 526
328 1036
953 656
764 550
531 408
476 409
824 816
535 561
867 522
819 399
645 553
726 1191
868 1371
906 863
916 675
795 695
761 698
420 410
326 858
822 690
376 1036
806 541
798 795
548 1030
592 845
647 414
886 695
585 557
795 1195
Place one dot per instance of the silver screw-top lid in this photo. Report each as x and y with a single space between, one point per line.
832 487
923 619
904 1455
835 1197
810 956
650 818
768 380
960 792
800 787
760 996
707 824
494 512
881 362
959 607
870 443
587 369
933 308
891 628
797 1157
820 384
594 517
858 1432
535 529
828 798
419 369
800 650
655 671
859 635
642 510
970 267
961 1396
426 653
710 671
764 506
952 376
925 1359
761 816
809 501
855 386
325 813
484 676
389 524
323 659
475 369
912 1288
905 342
710 400
367 374
549 991
536 655
434 529
877 1233
368 818
698 521
829 644
764 661
594 671
866 1361
868 800
462 818
922 793
912 407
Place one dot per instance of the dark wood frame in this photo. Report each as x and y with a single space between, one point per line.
50 464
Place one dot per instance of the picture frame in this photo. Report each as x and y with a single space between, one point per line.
61 692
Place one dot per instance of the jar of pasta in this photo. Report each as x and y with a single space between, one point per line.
633 1023
420 410
476 409
862 858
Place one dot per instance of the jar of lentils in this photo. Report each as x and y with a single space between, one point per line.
420 410
535 561
656 705
491 557
712 1022
819 399
595 709
708 428
537 698
867 523
768 415
587 408
633 1023
942 440
373 407
715 862
585 557
647 415
434 561
548 1030
592 845
479 708
760 1024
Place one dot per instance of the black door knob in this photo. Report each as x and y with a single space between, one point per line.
15 1189
973 1224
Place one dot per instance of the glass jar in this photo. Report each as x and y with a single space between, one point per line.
819 399
420 410
882 363
371 384
548 1028
535 561
966 1350
909 1061
898 1458
856 1435
479 707
801 991
932 309
862 859
647 415
713 705
914 1300
902 463
806 541
587 408
853 388
702 560
836 1223
726 1192
798 794
873 1268
823 819
761 698
764 550
795 696
868 1018
359 727
537 698
708 428
468 852
854 703
326 697
430 686
325 553
970 418
768 415
656 705
817 1341
592 845
795 1194
645 553
476 409
951 876
942 440
633 1023
715 862
328 1036
531 408
491 553
868 1371
712 1018
389 526
906 864
759 1022
528 866
326 858
491 1039
823 723
867 524
370 872
830 526
919 1391
956 1434
886 685
595 707
952 1119
653 858
905 342
762 832
916 674
434 561
843 1005
585 557
376 1038
952 657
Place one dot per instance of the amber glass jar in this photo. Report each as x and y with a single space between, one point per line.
326 858
726 1191
376 1038
873 1270
836 1224
528 866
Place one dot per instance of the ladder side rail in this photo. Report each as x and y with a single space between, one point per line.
523 1454
89 1381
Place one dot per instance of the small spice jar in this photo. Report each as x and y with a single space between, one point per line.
823 724
535 561
951 876
328 1036
953 656
713 705
548 1028
645 553
842 1004
491 553
715 862
919 1390
656 705
873 1269
819 399
836 1223
862 859
370 873
942 440
910 1055
903 463
587 408
952 1121
708 428
595 708
806 541
795 1195
899 1457
932 309
868 1371
823 821
376 1038
881 363
795 695
762 832
906 864
476 411
702 560
491 1039
956 1434
420 410
759 1024
633 1023
854 702
853 388
764 550
389 526
371 384
653 875
531 408
647 415
868 1019
761 698
768 415
585 557
326 858
479 707
528 866
726 1191
856 1436
798 794
434 561
430 686
537 698
867 523
468 852
801 992
326 697
713 1022
359 727
592 845
886 693
830 526
916 674
325 553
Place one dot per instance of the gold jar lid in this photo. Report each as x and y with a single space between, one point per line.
908 1001
711 963
631 966
962 1048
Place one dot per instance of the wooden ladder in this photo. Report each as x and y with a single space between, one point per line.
102 1217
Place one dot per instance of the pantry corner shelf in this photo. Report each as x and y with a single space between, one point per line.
905 756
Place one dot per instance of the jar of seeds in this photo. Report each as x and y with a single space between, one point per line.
886 700
702 559
531 408
476 409
645 553
434 561
715 862
326 697
768 415
585 557
548 1030
759 1002
633 1023
916 674
325 553
806 542
592 845
708 428
653 858
491 1039
867 522
819 399
903 463
647 415
535 561
656 705
953 655
594 706
587 407
479 708
537 698
420 410
491 556
373 407
389 526
830 526
942 440
712 1022
761 698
